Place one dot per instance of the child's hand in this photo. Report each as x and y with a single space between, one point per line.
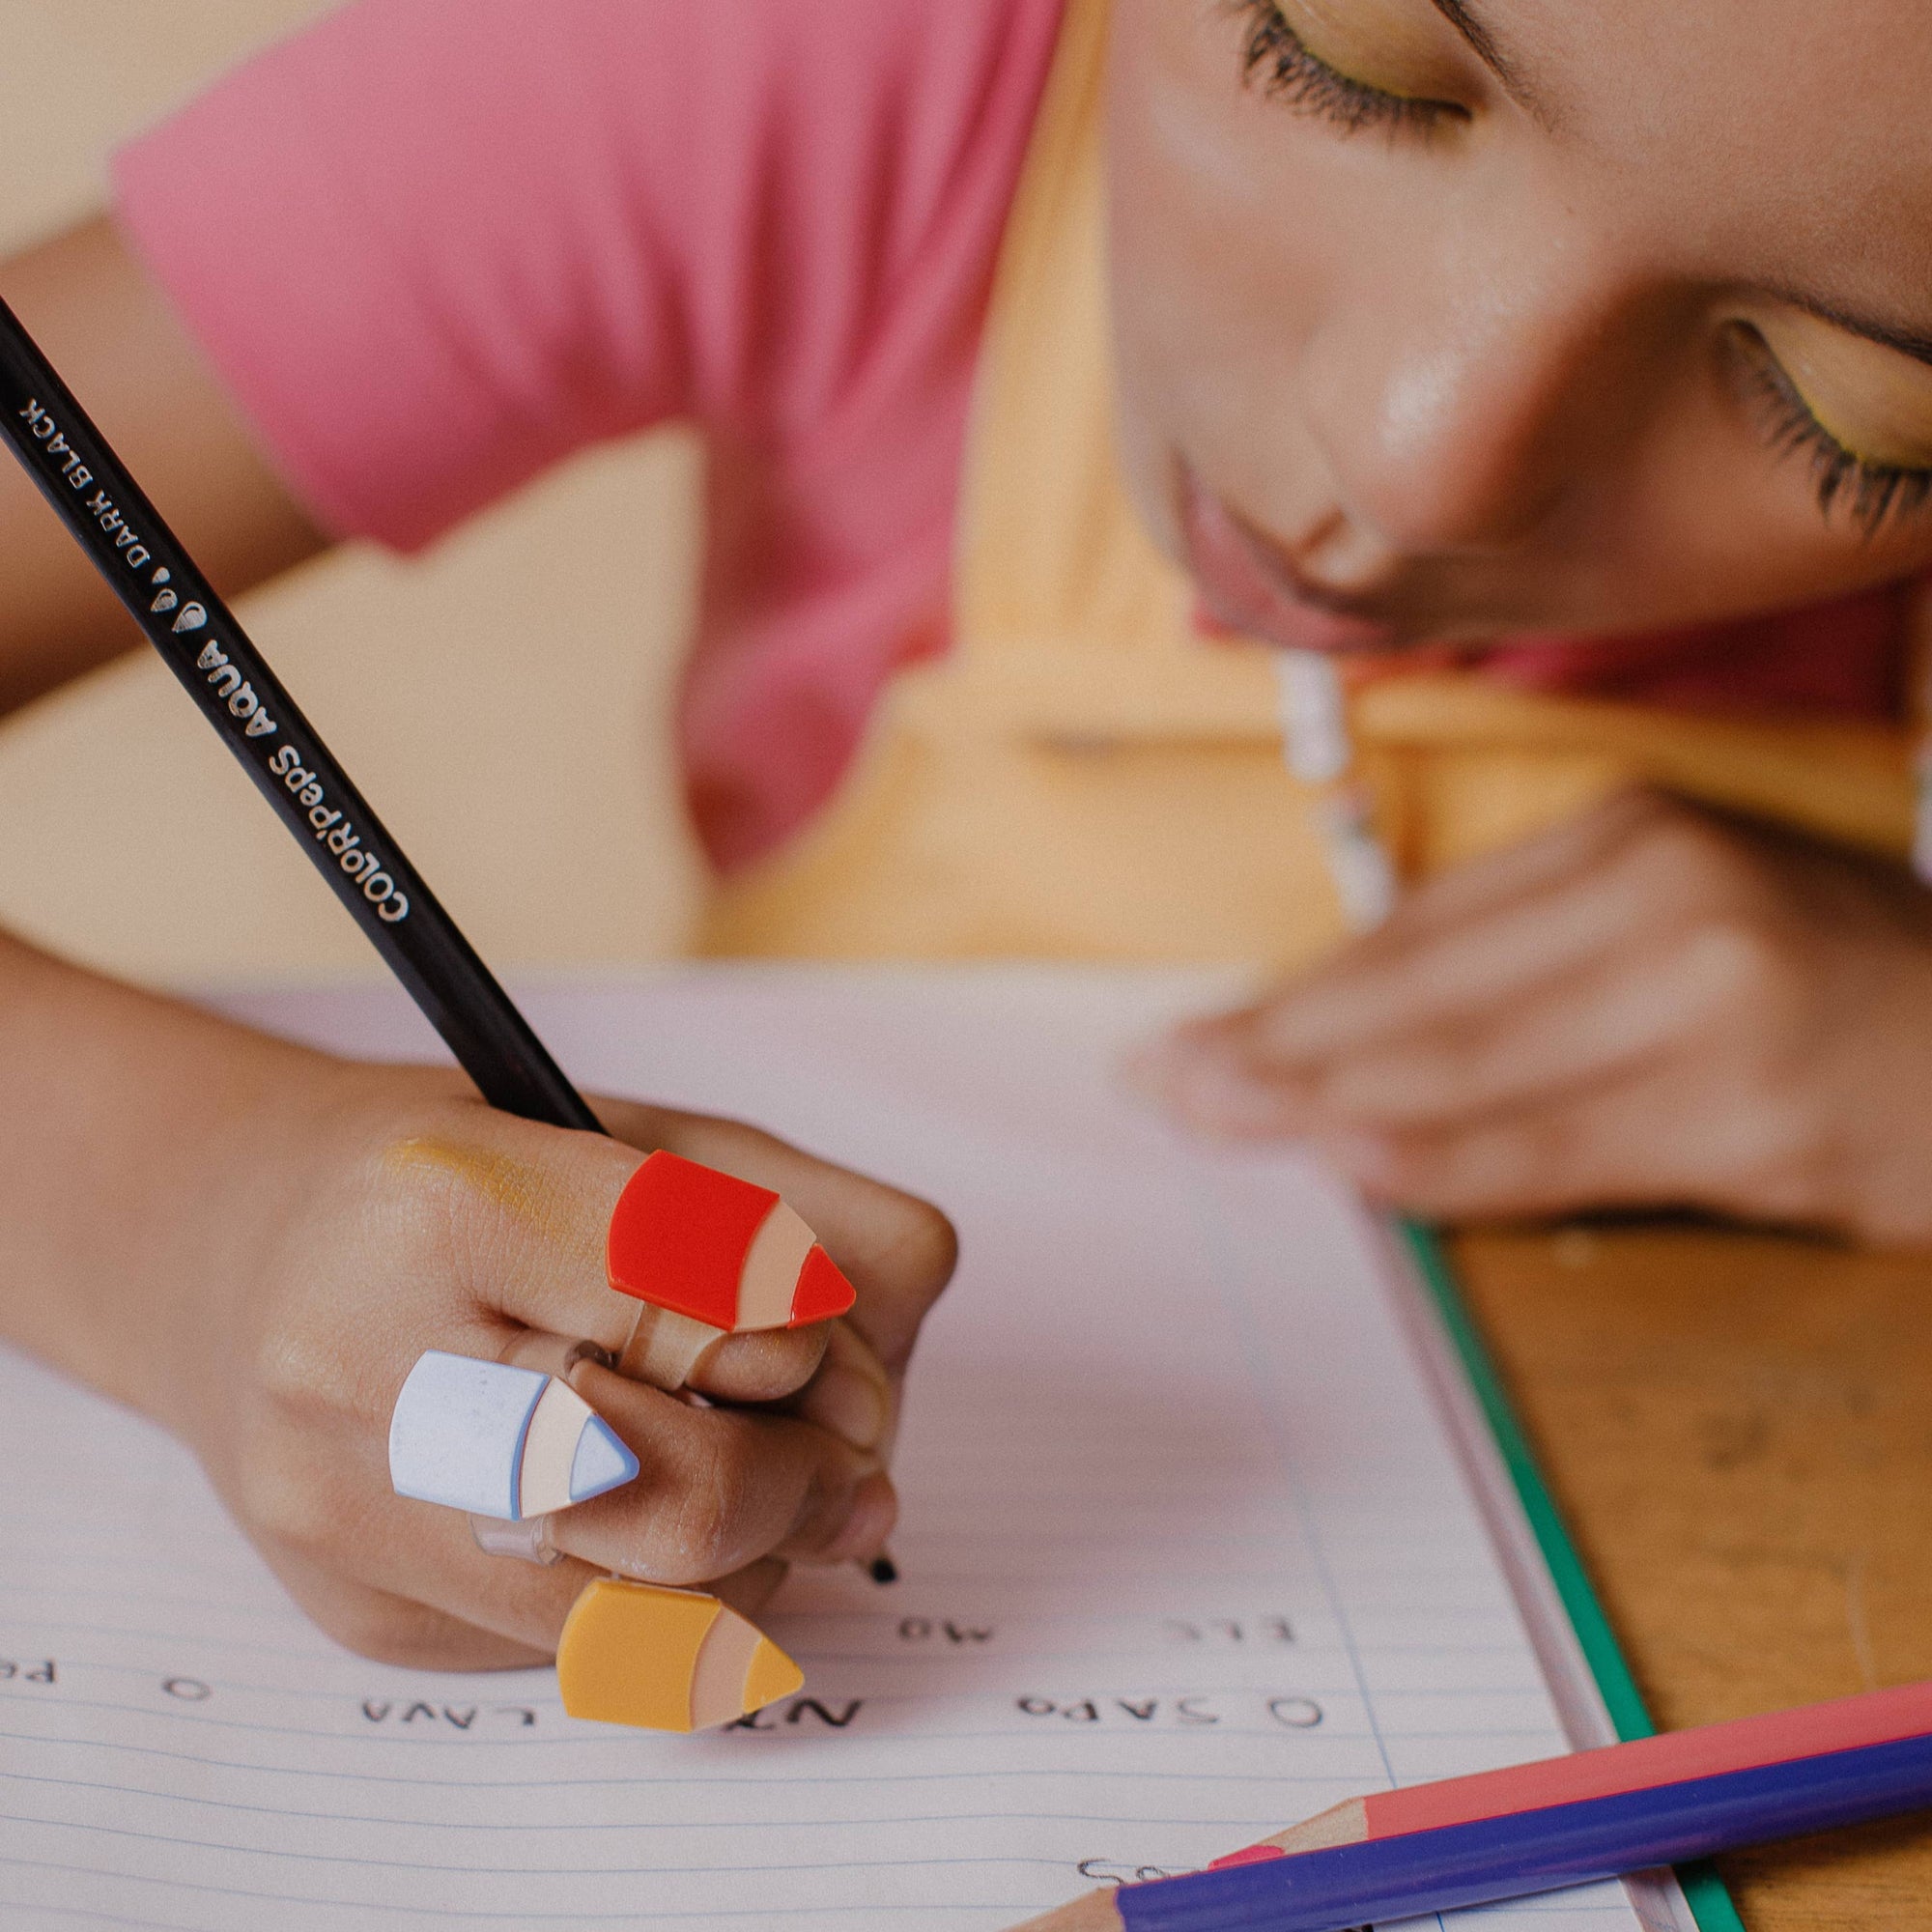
422 1220
1650 1006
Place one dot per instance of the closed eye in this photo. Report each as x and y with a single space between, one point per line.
1870 493
1275 59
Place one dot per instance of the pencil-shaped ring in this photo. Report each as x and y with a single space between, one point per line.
663 1660
709 1255
510 1444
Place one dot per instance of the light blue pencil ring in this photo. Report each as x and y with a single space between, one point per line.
510 1445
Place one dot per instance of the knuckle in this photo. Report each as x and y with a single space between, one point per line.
1740 961
927 1249
1691 849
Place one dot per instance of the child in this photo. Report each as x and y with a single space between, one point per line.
1433 325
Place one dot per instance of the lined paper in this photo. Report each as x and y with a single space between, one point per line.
1187 1553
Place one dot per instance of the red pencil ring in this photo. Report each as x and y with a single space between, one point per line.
709 1255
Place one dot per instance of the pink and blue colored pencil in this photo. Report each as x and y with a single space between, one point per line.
1565 1821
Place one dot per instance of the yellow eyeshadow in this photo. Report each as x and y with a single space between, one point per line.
1875 402
1395 46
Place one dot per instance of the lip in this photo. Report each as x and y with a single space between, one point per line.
1249 585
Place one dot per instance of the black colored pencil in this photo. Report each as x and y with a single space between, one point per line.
200 641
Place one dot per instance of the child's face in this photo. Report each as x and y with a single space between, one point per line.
1419 346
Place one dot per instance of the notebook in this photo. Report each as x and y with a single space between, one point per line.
1204 1531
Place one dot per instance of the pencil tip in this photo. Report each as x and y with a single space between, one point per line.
883 1570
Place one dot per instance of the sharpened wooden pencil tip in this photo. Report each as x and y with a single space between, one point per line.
1096 1913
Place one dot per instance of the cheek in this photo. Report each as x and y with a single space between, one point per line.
1216 274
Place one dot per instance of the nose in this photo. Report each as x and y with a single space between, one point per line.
1452 397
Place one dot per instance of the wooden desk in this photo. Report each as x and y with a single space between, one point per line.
1739 1432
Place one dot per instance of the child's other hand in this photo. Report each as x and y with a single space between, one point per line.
422 1220
1652 1006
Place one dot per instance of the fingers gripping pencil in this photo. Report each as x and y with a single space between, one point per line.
489 1438
707 1255
710 1256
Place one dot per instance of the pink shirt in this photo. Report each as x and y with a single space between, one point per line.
434 245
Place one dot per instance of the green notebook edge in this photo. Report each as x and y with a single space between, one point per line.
1709 1897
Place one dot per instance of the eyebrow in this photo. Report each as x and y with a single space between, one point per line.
1483 44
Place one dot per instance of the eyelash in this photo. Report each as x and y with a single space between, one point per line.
1274 54
1873 492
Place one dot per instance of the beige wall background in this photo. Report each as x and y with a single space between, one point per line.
522 750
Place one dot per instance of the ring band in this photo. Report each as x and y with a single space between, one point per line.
664 1347
529 1541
